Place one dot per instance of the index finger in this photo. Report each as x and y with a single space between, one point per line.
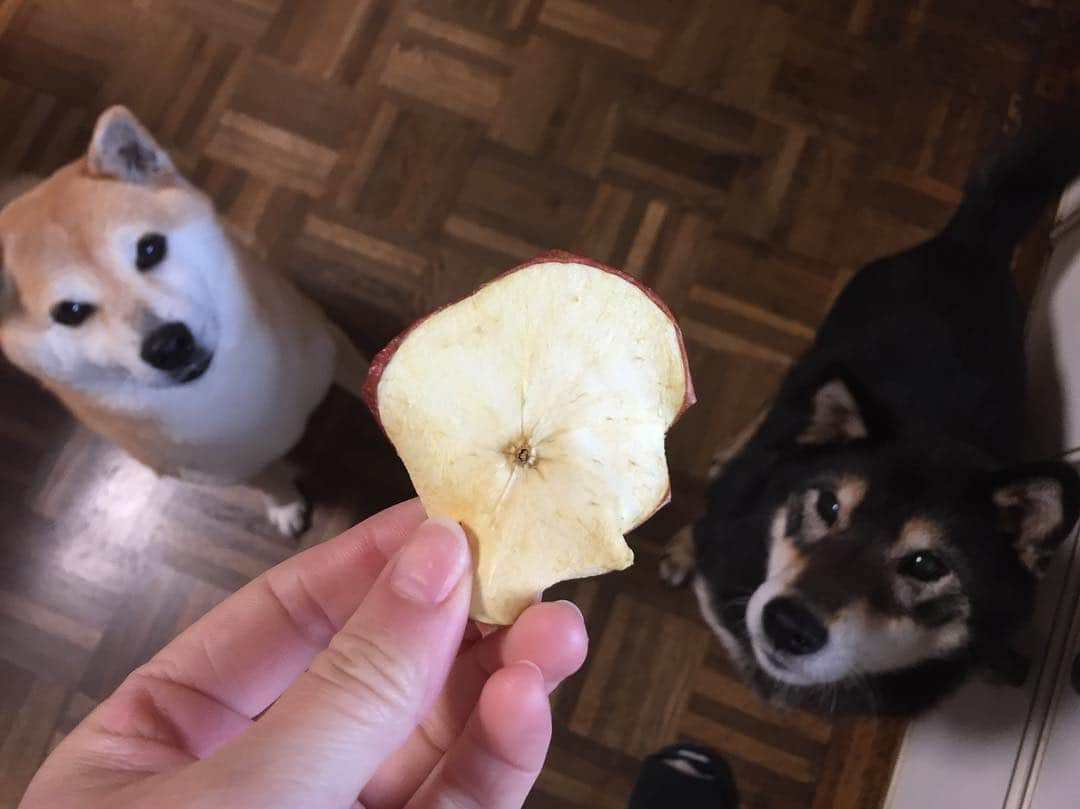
246 651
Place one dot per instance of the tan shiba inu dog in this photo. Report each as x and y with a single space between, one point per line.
122 292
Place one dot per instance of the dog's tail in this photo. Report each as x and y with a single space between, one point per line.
1007 193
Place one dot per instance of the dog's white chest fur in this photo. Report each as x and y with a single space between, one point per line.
250 408
273 364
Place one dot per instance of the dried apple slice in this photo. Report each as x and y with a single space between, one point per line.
534 413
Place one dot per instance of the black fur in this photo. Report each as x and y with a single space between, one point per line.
930 343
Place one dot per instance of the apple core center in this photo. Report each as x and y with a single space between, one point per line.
522 453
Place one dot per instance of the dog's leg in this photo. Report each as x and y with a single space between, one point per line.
351 366
677 564
286 508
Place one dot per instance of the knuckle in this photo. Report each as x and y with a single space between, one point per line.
372 677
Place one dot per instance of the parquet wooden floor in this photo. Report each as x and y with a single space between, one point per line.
741 156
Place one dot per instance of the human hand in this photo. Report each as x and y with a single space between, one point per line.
377 691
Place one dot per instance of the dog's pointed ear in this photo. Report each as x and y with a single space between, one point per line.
122 149
836 416
1037 507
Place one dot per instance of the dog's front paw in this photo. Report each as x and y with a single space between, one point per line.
674 573
291 519
677 563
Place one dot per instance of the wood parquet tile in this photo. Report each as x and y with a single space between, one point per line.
742 157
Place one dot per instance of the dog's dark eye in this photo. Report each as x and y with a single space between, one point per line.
150 251
71 313
923 566
828 507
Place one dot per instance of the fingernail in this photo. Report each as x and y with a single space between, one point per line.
531 665
532 721
572 606
430 566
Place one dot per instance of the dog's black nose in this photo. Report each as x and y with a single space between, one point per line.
169 347
792 627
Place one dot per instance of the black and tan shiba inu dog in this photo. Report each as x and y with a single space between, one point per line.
876 539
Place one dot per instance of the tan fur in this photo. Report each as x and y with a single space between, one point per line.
835 417
275 355
1039 506
918 534
786 561
850 491
857 631
886 643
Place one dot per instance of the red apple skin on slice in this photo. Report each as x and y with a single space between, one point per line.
382 359
533 412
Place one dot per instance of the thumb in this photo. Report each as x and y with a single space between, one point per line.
365 694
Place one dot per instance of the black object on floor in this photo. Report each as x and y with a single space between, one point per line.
685 776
